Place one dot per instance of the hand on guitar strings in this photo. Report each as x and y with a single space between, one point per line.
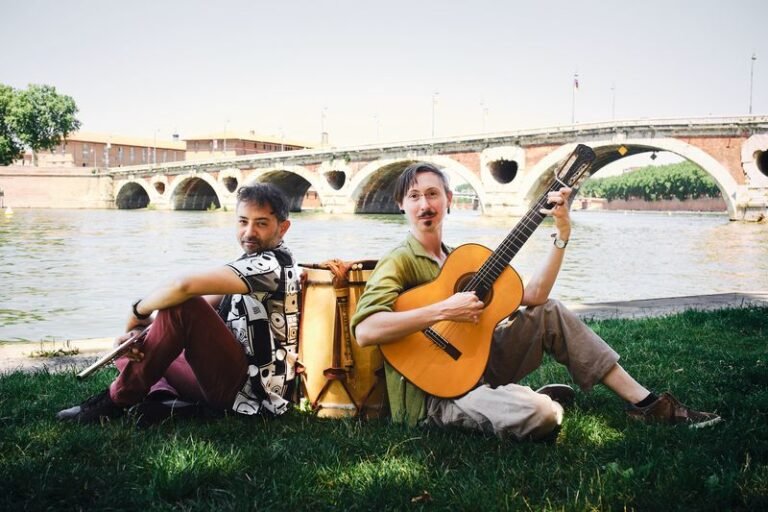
461 307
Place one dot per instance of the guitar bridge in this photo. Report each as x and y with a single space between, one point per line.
442 343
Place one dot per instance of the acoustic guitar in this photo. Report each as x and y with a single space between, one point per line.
448 359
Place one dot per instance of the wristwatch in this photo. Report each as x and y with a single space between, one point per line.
136 313
560 243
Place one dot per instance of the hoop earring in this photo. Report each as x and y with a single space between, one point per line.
402 211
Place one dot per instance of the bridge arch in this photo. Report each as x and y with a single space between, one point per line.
132 196
754 159
608 152
195 192
230 179
293 181
372 187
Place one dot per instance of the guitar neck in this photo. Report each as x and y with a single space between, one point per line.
571 171
509 247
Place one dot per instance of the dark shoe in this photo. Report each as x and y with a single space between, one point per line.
96 409
154 411
669 410
560 393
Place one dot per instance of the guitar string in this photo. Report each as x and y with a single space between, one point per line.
499 260
440 339
507 249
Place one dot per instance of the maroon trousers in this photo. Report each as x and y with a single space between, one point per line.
188 352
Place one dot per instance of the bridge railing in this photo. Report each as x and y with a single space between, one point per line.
754 121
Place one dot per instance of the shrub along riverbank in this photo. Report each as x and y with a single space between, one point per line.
681 181
601 461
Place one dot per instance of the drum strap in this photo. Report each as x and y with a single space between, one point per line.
342 342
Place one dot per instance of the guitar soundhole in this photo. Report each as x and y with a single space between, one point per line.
462 283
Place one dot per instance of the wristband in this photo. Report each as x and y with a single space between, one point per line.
136 313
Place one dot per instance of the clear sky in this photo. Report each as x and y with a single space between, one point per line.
369 71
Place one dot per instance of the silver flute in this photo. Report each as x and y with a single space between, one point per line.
115 353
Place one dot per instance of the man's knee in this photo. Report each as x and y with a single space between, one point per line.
548 417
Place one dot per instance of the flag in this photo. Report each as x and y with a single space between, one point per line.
575 81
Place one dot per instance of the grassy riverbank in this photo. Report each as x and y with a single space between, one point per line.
601 461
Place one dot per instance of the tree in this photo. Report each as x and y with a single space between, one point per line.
10 147
37 117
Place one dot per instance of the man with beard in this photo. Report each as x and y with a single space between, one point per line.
222 339
497 405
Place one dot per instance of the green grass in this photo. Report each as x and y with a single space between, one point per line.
601 460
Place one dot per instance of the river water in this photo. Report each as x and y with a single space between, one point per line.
70 274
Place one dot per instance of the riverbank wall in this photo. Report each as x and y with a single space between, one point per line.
703 204
40 187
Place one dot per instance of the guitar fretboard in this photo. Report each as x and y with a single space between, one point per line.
483 280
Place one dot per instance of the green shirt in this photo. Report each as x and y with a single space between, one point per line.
405 267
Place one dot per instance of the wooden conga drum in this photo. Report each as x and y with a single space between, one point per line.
340 378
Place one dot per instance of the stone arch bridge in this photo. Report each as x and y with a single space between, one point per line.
508 171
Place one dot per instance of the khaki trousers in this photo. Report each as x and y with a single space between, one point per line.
501 407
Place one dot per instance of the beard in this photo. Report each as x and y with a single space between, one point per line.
252 245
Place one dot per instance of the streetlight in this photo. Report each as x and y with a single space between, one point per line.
484 110
751 76
226 125
376 122
323 132
434 107
613 101
573 97
154 149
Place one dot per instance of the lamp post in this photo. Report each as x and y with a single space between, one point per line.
435 95
751 76
613 101
573 97
484 110
323 132
226 125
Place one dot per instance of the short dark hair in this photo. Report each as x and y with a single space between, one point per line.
265 193
409 175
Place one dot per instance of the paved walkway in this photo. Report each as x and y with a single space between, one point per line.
668 306
15 356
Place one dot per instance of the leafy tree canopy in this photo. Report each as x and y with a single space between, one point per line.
36 117
684 180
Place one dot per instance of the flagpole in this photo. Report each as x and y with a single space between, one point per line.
574 86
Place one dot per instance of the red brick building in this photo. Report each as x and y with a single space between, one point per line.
98 150
217 145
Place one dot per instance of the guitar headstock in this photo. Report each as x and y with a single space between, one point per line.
574 169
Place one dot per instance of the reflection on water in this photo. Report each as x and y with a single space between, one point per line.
74 273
